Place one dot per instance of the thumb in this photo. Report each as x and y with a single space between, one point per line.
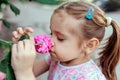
28 30
32 39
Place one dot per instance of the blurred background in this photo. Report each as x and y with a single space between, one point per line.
37 14
108 5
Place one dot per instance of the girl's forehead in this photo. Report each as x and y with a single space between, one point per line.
65 23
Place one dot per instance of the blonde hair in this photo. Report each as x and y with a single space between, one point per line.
110 55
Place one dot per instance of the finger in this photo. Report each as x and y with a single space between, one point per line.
20 47
32 39
26 44
33 45
14 55
15 34
28 30
33 49
14 51
20 30
15 40
14 37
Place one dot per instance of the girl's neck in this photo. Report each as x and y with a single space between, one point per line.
76 61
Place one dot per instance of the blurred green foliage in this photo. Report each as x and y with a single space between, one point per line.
13 8
49 2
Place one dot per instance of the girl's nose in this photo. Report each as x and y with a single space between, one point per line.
53 43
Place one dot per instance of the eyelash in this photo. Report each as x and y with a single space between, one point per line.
59 39
50 34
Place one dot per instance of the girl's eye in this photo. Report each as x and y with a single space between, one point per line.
60 39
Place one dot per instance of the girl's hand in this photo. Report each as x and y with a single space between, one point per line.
23 55
19 32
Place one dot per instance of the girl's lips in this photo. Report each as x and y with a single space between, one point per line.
53 55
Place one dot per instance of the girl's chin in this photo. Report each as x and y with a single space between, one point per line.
54 59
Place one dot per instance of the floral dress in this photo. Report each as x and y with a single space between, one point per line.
85 71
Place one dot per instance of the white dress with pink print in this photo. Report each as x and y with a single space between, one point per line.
85 71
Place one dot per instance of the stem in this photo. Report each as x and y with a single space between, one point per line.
4 42
1 40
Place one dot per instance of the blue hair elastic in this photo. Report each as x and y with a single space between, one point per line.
90 13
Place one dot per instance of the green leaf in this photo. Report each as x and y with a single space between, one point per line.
14 9
4 43
3 66
4 2
26 36
10 73
6 23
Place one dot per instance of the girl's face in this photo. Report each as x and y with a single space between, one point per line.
67 46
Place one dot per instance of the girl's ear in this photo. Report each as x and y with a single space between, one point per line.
91 45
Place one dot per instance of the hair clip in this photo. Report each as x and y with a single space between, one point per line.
90 13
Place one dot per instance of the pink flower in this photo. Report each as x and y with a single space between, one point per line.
43 43
2 76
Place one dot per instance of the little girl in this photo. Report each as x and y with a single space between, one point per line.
77 28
